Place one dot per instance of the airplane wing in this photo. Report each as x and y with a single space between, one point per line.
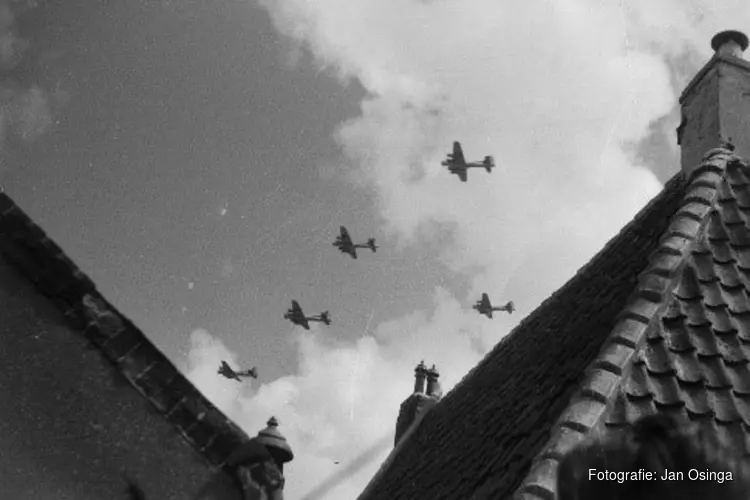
461 174
486 304
345 238
296 309
458 154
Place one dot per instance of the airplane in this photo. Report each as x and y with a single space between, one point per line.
344 243
484 306
227 371
296 316
456 162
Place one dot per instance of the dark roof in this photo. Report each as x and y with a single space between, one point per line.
659 320
25 246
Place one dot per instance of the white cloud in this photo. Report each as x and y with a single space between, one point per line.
554 90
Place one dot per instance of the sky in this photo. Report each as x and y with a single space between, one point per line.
196 159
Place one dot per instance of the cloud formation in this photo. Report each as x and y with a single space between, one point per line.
559 92
25 108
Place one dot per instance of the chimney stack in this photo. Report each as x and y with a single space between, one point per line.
716 103
420 374
421 400
433 386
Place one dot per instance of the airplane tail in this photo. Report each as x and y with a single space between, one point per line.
510 307
253 372
371 244
325 317
489 163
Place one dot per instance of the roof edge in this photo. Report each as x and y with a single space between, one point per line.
651 295
37 258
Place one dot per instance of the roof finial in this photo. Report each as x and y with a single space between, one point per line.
729 43
272 422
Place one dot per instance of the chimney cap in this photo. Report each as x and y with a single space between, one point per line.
275 441
421 367
433 372
724 37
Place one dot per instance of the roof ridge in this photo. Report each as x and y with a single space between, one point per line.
37 258
650 296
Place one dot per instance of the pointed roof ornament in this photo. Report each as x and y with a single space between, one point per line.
275 441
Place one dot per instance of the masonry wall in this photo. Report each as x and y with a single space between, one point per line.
71 427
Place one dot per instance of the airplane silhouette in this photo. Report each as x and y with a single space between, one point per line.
296 316
227 372
484 306
456 163
344 243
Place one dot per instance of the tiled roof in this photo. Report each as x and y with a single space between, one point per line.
659 320
24 245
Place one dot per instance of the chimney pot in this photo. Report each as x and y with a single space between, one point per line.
730 43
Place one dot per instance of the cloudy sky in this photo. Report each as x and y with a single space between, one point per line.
196 159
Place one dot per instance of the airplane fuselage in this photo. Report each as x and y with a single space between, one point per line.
488 311
352 249
304 321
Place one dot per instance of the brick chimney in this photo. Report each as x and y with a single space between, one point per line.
716 103
418 402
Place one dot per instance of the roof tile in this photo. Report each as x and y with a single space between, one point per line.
639 407
720 318
730 212
702 337
687 367
742 403
704 267
729 276
738 235
636 384
542 478
742 195
739 377
715 374
742 323
665 390
696 399
730 348
722 401
742 256
656 358
687 288
721 251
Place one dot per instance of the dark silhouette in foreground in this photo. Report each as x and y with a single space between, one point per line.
656 459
